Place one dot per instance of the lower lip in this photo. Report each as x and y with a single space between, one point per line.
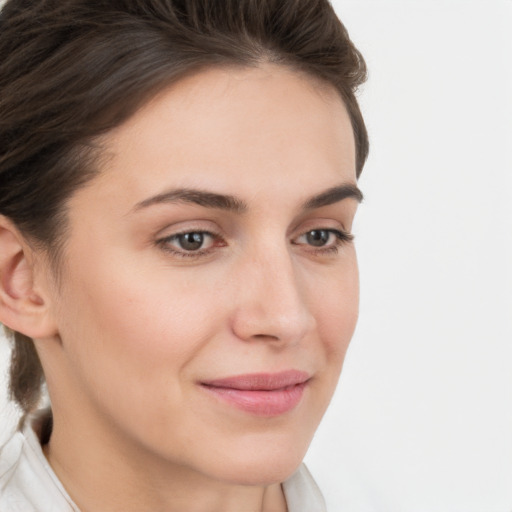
262 403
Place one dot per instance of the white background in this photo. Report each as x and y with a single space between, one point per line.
422 419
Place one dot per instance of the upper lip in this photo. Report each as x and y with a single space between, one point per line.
260 381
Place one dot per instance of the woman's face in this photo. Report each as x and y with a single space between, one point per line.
213 244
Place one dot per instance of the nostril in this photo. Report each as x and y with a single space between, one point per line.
266 336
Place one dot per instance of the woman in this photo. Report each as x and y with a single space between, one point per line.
178 184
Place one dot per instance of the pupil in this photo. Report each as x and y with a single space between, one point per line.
191 241
318 237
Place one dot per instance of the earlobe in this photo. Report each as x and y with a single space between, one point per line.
22 306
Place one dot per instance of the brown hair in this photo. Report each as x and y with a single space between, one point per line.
71 70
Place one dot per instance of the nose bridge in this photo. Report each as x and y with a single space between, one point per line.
271 302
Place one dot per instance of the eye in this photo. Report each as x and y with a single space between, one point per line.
190 243
318 237
324 239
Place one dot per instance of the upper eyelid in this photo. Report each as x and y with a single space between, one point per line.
170 231
217 234
187 231
174 236
336 222
322 225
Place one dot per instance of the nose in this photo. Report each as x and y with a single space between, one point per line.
270 301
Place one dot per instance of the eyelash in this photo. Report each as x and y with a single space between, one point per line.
342 238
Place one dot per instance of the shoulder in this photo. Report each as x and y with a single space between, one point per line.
302 492
10 455
27 483
11 475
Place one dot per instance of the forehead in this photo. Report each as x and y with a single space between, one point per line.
214 127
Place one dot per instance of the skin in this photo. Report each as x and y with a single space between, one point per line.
135 323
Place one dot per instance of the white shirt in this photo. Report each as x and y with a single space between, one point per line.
28 483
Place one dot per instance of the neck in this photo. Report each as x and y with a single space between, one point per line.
106 472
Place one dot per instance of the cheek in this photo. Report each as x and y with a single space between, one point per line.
336 307
129 331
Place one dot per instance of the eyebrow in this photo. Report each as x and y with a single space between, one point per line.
198 197
232 204
334 195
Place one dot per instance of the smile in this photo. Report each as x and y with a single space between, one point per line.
261 394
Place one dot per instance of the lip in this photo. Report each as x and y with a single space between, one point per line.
262 394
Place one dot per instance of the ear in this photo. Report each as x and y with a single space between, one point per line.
24 302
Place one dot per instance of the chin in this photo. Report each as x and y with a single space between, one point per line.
262 466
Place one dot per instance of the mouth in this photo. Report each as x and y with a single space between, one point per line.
262 394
